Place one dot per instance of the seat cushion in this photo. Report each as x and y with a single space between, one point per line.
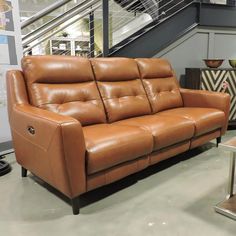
205 119
108 145
165 129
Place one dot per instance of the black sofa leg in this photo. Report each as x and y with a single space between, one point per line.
218 140
23 172
75 203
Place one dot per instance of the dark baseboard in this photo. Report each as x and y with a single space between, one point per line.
6 147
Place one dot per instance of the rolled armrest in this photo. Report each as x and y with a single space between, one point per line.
208 99
51 146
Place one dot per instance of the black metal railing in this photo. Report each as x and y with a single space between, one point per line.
106 24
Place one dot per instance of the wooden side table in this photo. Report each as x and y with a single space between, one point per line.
228 206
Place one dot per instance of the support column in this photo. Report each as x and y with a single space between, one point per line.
105 27
91 34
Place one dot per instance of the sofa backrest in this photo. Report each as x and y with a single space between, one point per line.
120 87
65 85
160 83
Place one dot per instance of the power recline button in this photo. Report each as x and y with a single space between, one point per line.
31 130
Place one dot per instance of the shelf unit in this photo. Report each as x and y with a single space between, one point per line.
70 46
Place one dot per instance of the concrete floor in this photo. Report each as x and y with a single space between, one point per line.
173 198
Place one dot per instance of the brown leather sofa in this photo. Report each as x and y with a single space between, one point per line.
79 124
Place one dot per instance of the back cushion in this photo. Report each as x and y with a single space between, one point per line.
120 87
160 83
64 85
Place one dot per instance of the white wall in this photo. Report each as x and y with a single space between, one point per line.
15 55
201 43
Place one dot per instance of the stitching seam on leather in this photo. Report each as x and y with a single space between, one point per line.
99 92
65 162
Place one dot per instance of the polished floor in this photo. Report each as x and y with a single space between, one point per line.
173 198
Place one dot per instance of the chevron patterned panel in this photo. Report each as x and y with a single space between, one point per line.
213 80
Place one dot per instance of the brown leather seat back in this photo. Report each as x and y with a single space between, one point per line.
160 83
120 87
64 85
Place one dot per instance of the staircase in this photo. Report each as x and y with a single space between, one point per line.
132 28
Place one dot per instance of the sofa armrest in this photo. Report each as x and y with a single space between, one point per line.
51 146
207 99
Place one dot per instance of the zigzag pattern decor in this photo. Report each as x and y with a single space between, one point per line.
214 80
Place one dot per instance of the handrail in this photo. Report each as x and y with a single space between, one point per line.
43 12
84 8
42 30
84 13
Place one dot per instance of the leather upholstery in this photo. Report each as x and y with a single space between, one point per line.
122 143
208 99
74 149
16 90
160 84
115 69
117 172
120 87
64 85
162 128
200 140
168 152
50 153
56 69
205 119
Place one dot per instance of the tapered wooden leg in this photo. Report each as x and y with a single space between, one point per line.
23 172
75 203
218 140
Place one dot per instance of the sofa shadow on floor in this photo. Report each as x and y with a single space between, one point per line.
113 188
